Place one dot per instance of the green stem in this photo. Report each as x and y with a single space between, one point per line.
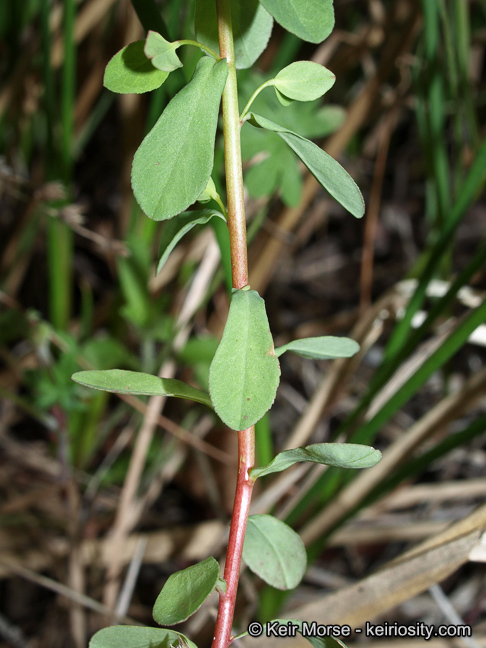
253 97
68 88
202 47
222 205
59 235
49 88
239 269
232 151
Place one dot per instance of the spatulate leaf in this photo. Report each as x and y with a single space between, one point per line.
303 81
340 455
326 347
174 162
130 71
140 384
329 173
245 372
311 20
138 637
185 592
274 551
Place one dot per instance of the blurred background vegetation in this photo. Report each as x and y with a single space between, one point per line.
101 496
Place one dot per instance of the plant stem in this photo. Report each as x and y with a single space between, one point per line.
202 47
232 151
59 236
49 86
246 109
239 270
241 507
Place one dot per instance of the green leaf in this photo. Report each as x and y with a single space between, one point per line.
139 637
311 20
185 592
104 352
252 26
262 179
329 173
135 383
210 193
340 455
303 81
178 226
285 101
199 349
161 52
173 164
245 372
222 585
274 551
309 118
326 347
198 354
131 71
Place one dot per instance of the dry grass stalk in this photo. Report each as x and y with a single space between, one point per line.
413 572
435 420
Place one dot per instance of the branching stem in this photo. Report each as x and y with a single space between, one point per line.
246 109
201 46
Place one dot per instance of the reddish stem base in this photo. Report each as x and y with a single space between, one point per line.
244 487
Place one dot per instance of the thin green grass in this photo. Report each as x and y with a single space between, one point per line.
60 239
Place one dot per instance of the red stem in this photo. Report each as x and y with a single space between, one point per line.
244 487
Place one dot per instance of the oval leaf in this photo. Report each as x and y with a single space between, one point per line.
329 173
274 551
161 52
245 372
173 164
311 20
131 71
252 26
340 455
185 592
326 347
178 226
304 81
142 384
139 637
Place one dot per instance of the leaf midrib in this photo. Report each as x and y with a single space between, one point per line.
276 553
245 365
